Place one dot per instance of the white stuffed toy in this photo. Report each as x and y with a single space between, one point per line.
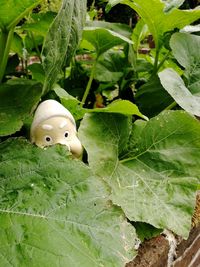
54 124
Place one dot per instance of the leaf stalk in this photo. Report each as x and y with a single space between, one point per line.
6 43
89 84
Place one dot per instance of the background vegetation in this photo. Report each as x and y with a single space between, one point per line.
129 73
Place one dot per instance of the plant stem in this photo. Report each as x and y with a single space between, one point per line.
89 84
4 60
163 60
155 68
36 46
171 106
3 39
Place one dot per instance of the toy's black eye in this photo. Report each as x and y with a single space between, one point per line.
66 134
48 138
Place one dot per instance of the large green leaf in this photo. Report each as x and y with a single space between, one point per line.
158 20
152 98
62 39
120 28
40 23
175 86
103 39
111 66
71 103
185 48
140 31
11 12
155 180
121 107
55 212
17 99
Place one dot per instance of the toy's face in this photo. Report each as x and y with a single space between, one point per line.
58 130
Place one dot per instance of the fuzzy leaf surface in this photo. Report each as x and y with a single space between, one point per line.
55 212
183 45
17 98
62 39
175 86
154 175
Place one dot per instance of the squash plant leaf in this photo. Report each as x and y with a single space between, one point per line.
122 107
103 39
62 39
175 86
11 12
154 175
17 98
185 48
61 212
70 102
40 23
152 98
119 106
158 20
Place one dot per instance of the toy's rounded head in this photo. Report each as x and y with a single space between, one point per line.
54 124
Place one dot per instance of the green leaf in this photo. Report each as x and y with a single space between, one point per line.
140 31
146 231
124 107
158 21
155 179
175 86
71 103
120 28
185 48
41 23
191 29
37 72
55 212
111 66
119 106
171 4
152 98
12 12
17 98
103 39
17 45
62 39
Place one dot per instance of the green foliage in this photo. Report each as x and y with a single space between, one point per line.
152 169
137 173
175 86
16 10
39 23
12 12
60 44
152 98
183 45
61 218
159 20
17 98
185 49
103 39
